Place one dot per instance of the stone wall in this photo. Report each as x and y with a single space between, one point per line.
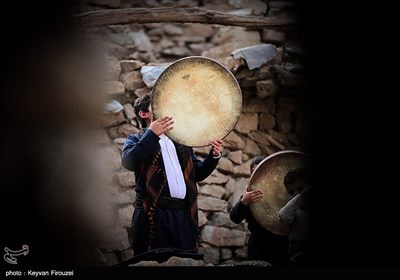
273 117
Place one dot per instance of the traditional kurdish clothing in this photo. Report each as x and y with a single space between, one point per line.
159 220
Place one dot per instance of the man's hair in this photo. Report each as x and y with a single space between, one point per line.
142 104
257 159
297 174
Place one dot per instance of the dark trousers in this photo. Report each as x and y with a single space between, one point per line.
173 229
299 253
270 248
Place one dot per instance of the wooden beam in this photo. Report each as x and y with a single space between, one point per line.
171 14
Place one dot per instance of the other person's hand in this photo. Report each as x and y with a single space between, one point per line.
250 197
216 147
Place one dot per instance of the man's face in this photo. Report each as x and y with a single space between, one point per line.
296 187
150 113
147 116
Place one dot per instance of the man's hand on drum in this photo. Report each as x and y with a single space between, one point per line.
161 125
250 197
216 147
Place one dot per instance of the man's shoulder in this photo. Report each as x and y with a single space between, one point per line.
132 137
136 136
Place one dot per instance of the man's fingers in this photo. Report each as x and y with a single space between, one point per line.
216 143
166 119
256 197
169 123
256 192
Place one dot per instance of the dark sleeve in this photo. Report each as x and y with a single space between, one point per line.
288 211
203 168
136 149
238 212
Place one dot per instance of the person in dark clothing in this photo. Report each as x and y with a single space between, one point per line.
296 212
166 212
263 244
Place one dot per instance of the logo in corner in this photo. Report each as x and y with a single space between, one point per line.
10 255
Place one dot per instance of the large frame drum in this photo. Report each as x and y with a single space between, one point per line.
202 96
268 177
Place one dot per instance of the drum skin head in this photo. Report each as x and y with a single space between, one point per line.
268 177
202 96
